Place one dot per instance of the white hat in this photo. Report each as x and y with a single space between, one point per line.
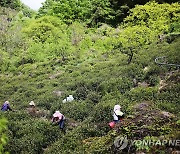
57 114
32 103
117 107
7 102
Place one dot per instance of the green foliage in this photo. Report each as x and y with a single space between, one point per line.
141 93
79 111
14 4
98 144
25 137
143 26
178 122
9 36
3 136
49 39
4 62
136 37
116 84
103 112
157 17
57 54
173 51
141 146
45 29
91 12
175 27
154 80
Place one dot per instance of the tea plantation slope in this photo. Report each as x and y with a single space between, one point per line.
97 85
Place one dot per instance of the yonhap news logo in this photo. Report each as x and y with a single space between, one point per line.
122 142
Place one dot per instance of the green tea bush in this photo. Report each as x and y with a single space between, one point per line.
3 136
133 71
140 93
32 135
121 84
76 110
49 102
155 70
93 97
169 99
154 80
16 116
99 144
173 51
90 64
72 142
168 106
81 92
102 112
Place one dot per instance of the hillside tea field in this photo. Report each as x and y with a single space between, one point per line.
102 53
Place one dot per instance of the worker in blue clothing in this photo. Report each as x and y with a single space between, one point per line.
6 106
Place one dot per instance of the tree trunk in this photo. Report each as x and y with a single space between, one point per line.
130 56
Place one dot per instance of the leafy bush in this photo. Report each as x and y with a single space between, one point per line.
103 111
141 93
14 4
116 84
154 80
77 110
155 16
30 138
3 137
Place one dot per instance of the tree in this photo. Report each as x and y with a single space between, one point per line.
91 12
14 4
131 39
144 24
45 29
157 17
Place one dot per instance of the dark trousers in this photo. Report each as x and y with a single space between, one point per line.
61 124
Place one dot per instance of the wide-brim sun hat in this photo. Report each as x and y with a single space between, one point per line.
7 102
32 103
57 114
117 107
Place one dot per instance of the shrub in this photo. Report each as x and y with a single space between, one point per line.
77 110
103 111
3 137
31 138
121 84
140 93
154 80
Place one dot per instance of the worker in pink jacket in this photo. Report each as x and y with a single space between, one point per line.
59 119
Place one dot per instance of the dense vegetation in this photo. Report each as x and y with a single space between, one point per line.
101 52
